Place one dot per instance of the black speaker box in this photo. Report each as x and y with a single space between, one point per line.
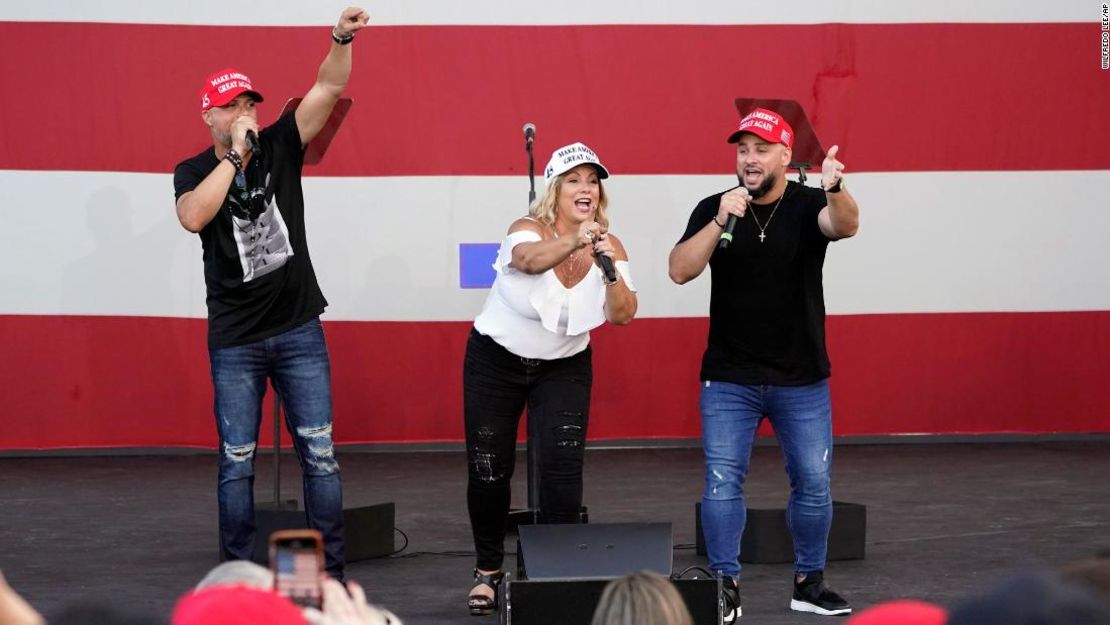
563 569
596 551
572 602
368 530
767 538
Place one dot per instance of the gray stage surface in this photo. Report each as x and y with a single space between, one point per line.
943 520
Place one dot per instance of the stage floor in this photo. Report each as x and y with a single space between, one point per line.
943 520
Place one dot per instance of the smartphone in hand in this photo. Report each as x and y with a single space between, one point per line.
297 559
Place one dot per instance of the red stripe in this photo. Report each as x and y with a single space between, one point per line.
117 381
650 99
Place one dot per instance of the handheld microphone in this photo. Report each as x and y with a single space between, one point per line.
607 268
529 134
726 234
252 139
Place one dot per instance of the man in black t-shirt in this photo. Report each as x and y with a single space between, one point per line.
243 197
766 352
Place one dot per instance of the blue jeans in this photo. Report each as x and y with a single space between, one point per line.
802 420
297 362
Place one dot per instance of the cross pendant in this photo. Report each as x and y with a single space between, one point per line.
762 236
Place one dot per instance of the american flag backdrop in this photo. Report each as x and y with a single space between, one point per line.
976 298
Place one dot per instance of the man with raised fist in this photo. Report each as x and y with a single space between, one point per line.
243 197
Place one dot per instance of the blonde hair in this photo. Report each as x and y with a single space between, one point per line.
545 207
643 598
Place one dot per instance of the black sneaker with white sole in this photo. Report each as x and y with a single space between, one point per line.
730 600
812 595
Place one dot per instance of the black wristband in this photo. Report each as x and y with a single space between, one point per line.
719 224
233 157
836 187
341 40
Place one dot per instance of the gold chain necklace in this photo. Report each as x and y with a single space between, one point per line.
570 269
763 228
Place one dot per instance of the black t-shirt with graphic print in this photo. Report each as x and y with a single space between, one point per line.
767 306
257 269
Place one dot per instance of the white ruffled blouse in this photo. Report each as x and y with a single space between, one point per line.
534 315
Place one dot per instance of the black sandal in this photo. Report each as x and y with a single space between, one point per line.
481 605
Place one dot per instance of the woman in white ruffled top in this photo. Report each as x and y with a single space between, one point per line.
530 346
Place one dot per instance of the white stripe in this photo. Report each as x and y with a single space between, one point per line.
533 12
387 248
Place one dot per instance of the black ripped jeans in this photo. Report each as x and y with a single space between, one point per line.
497 385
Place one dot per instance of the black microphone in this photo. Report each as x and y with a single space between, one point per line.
529 134
726 234
607 268
252 139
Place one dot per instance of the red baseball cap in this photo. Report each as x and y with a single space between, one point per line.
224 86
235 605
901 612
767 125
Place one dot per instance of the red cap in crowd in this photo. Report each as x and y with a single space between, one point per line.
901 612
236 605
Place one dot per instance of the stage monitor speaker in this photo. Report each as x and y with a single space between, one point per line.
572 602
368 530
767 539
595 551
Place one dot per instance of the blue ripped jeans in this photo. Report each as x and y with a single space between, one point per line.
802 420
297 362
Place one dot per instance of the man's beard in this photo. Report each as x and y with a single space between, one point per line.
223 138
769 182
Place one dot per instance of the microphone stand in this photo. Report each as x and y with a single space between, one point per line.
277 503
533 452
801 167
531 514
531 173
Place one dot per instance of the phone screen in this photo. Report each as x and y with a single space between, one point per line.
296 566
